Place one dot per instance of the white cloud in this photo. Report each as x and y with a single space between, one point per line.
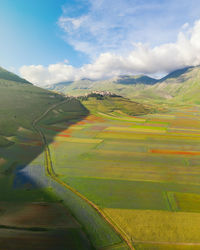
185 51
185 26
101 26
106 26
70 24
41 75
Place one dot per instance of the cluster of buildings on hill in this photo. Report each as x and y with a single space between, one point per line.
98 94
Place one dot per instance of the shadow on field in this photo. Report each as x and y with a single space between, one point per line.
31 215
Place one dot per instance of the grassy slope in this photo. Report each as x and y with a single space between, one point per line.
182 87
113 105
21 104
6 75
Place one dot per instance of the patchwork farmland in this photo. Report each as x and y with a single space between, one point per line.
142 172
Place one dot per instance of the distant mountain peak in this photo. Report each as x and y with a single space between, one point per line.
86 79
135 79
176 73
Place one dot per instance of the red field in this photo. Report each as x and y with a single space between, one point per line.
174 152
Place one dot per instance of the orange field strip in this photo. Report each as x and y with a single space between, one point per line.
174 152
64 135
93 118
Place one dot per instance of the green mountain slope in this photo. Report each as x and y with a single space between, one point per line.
181 85
21 103
176 74
137 79
124 86
6 75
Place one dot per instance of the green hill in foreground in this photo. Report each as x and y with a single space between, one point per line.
33 216
21 103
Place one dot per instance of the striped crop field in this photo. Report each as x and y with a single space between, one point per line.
157 226
121 135
122 118
77 140
143 172
174 152
157 122
138 128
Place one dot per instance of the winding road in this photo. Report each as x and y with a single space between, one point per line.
51 173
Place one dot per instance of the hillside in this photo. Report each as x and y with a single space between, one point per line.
27 194
110 104
21 102
181 85
6 75
120 85
137 79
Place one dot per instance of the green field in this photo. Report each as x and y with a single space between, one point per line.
144 175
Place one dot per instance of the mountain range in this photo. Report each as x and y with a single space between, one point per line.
180 85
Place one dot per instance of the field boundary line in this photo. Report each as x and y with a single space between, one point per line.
52 174
114 246
169 243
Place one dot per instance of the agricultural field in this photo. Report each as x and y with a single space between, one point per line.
141 171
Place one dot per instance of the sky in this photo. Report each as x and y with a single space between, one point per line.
48 41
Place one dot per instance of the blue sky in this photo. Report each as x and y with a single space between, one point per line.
30 34
55 40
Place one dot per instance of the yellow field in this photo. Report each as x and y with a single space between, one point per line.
144 129
187 202
154 136
163 116
77 140
125 118
157 226
124 135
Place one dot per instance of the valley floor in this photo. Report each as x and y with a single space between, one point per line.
142 172
126 180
